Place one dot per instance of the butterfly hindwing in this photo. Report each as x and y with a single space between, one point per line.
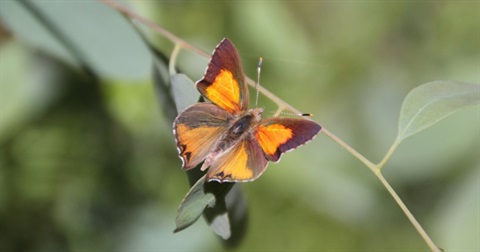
224 81
244 162
279 135
197 129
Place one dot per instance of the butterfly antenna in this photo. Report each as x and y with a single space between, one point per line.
298 114
259 69
307 114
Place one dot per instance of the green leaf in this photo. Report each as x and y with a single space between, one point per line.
162 84
193 205
183 91
200 196
104 40
160 76
433 101
229 216
218 219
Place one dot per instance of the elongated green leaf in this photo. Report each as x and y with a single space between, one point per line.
218 219
183 91
161 82
104 40
197 199
193 205
433 101
230 225
228 217
161 77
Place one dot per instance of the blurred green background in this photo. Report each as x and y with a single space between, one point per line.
88 161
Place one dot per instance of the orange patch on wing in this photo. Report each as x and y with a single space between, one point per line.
270 137
234 165
225 91
194 143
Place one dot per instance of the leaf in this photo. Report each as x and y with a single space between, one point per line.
183 91
429 103
160 76
231 224
219 215
226 213
218 219
162 86
197 199
193 205
105 41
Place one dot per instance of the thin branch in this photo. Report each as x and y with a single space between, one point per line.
173 59
359 156
388 155
407 212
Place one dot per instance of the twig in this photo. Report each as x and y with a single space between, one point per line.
407 212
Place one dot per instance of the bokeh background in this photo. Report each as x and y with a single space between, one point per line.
88 161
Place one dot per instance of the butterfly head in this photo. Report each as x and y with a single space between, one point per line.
257 113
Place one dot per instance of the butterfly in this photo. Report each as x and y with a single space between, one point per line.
232 141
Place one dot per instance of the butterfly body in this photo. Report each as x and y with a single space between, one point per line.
238 129
232 141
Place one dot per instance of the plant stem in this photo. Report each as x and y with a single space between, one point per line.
407 212
359 156
173 59
376 169
388 155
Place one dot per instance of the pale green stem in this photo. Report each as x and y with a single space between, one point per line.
173 59
407 212
352 151
388 155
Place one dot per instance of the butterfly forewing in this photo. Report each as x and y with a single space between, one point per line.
224 80
197 129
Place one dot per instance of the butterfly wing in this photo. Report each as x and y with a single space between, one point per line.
224 80
244 162
197 129
279 135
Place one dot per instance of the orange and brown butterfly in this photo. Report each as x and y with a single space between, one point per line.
232 141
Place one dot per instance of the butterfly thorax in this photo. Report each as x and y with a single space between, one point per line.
240 127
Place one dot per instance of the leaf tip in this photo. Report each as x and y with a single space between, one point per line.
178 229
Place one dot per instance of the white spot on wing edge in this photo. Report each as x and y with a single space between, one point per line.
299 145
176 141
